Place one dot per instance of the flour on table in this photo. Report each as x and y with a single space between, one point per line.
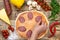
13 36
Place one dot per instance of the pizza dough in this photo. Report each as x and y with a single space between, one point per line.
26 21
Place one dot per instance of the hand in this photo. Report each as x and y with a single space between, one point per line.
39 28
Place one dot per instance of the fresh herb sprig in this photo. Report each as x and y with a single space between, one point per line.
55 9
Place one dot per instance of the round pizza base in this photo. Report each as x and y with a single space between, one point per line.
42 34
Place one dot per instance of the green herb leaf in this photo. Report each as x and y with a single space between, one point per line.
55 9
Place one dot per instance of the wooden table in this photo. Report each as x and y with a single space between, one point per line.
14 14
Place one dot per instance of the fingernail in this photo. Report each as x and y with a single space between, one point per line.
40 23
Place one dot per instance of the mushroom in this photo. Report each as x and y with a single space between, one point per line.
34 4
29 2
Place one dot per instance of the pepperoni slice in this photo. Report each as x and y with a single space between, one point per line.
38 18
22 28
22 20
30 15
29 33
